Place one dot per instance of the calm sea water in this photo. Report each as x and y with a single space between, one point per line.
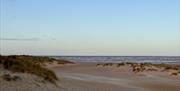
116 59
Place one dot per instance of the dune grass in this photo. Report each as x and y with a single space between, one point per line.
30 64
146 66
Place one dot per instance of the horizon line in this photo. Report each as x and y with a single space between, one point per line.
95 55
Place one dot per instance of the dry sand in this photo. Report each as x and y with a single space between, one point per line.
88 77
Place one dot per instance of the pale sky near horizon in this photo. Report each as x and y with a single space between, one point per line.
90 27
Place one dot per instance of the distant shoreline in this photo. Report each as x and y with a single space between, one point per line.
117 59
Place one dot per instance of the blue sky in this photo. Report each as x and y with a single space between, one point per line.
90 27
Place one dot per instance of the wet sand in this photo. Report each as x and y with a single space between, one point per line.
88 77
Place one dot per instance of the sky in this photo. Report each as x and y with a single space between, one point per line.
90 27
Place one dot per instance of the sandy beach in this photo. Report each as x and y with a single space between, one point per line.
69 76
89 77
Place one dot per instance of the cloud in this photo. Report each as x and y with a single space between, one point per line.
20 39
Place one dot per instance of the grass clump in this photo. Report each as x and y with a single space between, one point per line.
107 64
124 64
28 64
121 64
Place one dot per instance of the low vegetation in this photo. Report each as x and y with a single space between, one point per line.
140 67
30 64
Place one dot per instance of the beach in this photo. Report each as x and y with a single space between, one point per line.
32 73
90 77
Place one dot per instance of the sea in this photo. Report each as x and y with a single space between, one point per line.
118 59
